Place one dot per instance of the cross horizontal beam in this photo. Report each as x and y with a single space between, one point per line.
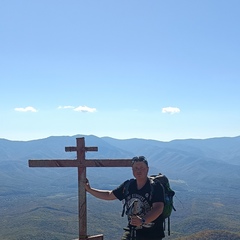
75 163
87 149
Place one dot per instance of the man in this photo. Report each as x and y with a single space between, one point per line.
144 203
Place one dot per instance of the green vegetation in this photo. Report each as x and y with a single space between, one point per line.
50 216
212 235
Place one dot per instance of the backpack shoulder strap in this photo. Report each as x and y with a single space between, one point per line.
126 193
126 187
152 184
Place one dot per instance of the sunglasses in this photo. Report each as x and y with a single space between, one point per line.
140 159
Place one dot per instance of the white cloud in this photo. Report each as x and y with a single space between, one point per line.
26 109
171 110
66 107
79 109
85 109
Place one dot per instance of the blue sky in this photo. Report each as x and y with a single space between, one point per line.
154 69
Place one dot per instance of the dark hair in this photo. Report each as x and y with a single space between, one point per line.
139 159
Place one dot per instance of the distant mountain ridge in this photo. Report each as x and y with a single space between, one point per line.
191 160
225 148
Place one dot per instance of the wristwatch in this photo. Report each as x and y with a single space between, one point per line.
143 221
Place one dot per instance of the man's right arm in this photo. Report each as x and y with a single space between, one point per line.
101 194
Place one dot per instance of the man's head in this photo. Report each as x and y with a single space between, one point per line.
139 159
140 167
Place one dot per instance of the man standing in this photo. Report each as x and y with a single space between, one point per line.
144 203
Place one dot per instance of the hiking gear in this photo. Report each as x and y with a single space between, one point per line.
133 233
149 231
143 221
168 197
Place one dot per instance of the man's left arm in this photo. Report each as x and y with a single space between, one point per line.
153 214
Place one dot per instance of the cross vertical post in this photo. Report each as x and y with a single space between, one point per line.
82 203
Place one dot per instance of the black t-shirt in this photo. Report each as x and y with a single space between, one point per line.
145 197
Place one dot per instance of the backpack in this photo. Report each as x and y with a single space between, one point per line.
168 196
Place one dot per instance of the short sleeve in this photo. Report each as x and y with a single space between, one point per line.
119 191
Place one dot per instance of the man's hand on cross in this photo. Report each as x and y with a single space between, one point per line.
87 185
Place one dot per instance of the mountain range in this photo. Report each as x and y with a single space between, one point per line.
205 174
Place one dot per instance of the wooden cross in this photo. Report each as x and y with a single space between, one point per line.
81 163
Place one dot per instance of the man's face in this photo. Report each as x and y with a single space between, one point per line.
140 170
